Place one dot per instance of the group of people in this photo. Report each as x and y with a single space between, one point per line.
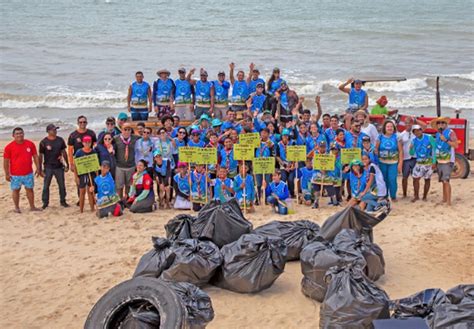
136 159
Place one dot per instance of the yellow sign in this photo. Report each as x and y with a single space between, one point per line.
87 164
243 152
296 153
347 155
206 155
250 139
185 154
264 165
324 161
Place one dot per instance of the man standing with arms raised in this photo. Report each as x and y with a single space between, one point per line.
18 158
139 98
204 93
240 90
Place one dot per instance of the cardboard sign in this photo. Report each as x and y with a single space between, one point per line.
324 161
264 165
185 154
87 164
296 153
250 139
206 155
347 155
243 152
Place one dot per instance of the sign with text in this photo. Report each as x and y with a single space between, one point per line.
296 153
250 139
347 155
185 154
87 164
206 155
324 161
264 165
243 152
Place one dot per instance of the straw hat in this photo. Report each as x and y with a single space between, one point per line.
439 119
163 71
362 112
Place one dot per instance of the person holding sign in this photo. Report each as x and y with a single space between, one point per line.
287 168
323 179
265 150
306 174
223 186
277 194
108 202
226 158
314 140
85 180
199 187
244 188
141 198
162 175
181 182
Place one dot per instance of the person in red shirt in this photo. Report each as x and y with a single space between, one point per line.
18 159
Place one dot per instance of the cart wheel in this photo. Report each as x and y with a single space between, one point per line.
461 167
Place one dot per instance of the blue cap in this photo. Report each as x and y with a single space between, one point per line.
194 127
156 153
357 81
283 82
285 132
122 116
204 117
216 123
227 125
195 132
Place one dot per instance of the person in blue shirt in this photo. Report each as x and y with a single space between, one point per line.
163 94
245 186
204 93
162 173
369 149
196 140
273 84
226 158
181 184
183 97
265 150
277 194
287 168
331 131
221 95
200 190
144 147
358 181
314 139
353 137
139 98
358 98
108 202
253 79
305 175
240 90
324 179
216 125
223 186
256 103
338 174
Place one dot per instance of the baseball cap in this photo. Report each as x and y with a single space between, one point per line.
195 132
366 139
259 85
182 164
216 123
221 73
86 138
204 117
157 153
276 69
357 81
51 127
182 70
267 112
105 163
122 116
416 127
204 72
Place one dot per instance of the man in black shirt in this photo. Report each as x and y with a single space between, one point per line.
52 149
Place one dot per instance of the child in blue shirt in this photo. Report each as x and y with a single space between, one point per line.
223 186
277 194
245 186
304 175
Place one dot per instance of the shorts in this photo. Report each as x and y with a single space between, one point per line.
123 177
84 180
163 180
422 171
184 112
163 110
28 181
139 114
198 111
407 167
444 171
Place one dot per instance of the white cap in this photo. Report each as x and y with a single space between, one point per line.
416 127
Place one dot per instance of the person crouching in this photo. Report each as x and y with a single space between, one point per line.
141 198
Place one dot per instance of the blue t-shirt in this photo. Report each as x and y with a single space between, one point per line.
139 97
253 84
162 91
249 187
221 92
280 190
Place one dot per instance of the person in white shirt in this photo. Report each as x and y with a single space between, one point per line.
367 128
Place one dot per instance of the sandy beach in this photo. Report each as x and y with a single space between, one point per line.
57 263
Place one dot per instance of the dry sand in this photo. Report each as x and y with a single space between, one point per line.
56 264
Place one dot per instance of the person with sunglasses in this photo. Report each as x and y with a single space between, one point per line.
446 143
110 127
124 147
106 152
166 145
354 136
180 140
144 148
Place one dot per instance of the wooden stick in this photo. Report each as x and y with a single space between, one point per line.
296 183
244 191
321 192
206 185
190 183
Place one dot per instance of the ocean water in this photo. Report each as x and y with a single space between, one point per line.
60 59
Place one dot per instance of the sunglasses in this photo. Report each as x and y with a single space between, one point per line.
82 121
181 132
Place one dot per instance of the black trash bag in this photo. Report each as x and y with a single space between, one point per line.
251 264
222 223
420 304
141 317
179 228
316 259
350 217
352 300
198 305
453 316
373 254
154 262
195 262
296 234
463 293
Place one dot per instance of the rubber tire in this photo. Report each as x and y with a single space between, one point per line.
155 291
461 167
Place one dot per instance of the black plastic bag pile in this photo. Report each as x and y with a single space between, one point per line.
179 227
154 262
352 300
251 264
296 234
453 309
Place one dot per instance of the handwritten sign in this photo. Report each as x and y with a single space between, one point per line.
250 139
324 161
207 155
296 153
87 164
347 155
185 154
264 165
243 152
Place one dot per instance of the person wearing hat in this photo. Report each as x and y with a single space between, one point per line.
257 101
369 149
216 126
163 94
358 98
181 184
110 127
139 98
122 117
381 107
253 79
446 143
183 97
366 127
86 180
124 148
287 167
108 202
18 158
205 92
357 181
240 90
423 149
221 96
52 154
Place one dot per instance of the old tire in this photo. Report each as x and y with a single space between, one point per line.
112 308
461 167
